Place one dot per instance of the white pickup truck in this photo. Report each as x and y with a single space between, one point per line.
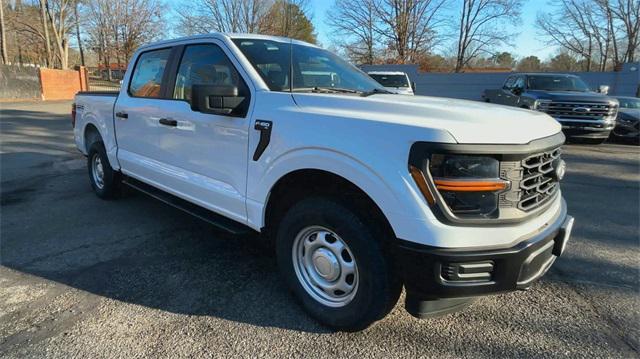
362 192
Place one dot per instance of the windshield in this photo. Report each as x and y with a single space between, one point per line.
313 69
626 102
556 83
391 80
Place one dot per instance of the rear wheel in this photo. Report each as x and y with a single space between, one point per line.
104 180
335 264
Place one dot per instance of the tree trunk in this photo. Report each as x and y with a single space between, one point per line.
3 37
45 28
75 13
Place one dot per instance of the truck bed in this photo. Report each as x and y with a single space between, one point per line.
95 107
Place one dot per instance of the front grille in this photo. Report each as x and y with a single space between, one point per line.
578 110
538 181
533 182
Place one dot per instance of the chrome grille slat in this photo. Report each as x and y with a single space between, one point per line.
538 185
590 110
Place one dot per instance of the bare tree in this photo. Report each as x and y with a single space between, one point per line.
355 22
288 18
116 28
204 16
409 25
45 30
3 36
595 30
568 26
479 27
627 12
59 15
77 23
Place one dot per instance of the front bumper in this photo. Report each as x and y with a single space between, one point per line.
584 129
431 273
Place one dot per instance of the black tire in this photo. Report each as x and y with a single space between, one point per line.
378 289
110 178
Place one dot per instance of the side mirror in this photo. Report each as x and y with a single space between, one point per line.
215 99
603 89
517 91
413 86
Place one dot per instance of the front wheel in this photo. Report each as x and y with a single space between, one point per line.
334 262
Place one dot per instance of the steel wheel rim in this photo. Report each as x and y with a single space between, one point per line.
325 266
97 171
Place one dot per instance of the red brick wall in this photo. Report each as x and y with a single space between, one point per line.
62 84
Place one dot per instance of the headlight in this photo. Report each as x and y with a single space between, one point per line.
541 105
468 185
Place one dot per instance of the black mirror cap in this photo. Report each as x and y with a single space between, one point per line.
216 99
413 86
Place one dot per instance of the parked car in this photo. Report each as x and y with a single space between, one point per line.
361 191
628 120
585 115
394 81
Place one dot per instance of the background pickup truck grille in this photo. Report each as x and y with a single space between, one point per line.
578 110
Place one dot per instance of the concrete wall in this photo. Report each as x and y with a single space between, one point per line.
62 84
19 83
470 85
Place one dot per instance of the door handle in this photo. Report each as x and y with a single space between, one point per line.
122 115
168 122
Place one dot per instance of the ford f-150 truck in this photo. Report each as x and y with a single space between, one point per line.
362 192
585 115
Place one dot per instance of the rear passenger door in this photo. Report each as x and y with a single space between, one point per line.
138 109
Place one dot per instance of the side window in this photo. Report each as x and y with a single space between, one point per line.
519 82
508 84
205 64
147 75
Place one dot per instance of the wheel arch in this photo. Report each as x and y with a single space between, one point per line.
305 182
91 134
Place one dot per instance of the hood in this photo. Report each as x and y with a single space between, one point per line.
571 96
466 121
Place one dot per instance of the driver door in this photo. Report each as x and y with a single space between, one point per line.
205 154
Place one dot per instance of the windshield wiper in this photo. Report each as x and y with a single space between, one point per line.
375 91
326 90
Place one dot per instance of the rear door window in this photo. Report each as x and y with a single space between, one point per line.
146 80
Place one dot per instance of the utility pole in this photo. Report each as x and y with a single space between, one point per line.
3 36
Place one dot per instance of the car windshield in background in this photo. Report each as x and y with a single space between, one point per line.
391 80
626 102
556 83
313 69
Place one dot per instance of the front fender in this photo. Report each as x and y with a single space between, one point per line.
392 195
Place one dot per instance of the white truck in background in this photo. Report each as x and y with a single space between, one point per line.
362 192
394 81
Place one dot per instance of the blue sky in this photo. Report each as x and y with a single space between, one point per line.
525 44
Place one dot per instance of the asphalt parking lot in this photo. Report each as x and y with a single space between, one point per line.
82 277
